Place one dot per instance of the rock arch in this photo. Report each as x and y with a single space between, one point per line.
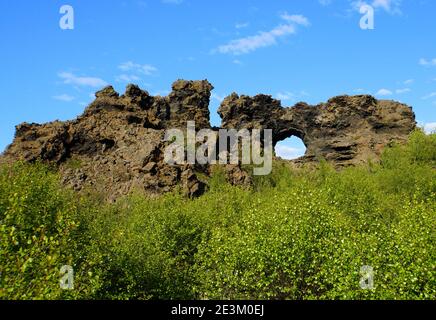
118 138
346 130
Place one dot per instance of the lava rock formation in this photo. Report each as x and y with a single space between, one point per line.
117 145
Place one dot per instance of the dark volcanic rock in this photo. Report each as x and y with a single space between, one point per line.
347 130
116 146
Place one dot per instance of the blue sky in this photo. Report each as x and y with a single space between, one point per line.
295 50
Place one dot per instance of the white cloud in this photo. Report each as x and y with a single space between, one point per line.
136 67
425 62
217 97
409 81
430 127
384 92
355 5
236 61
430 95
290 96
285 95
359 90
287 152
252 43
400 91
390 6
384 4
70 78
64 97
296 18
242 25
264 38
127 78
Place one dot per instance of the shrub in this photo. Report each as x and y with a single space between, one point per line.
36 222
38 232
297 234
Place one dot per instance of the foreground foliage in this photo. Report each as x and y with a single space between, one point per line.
297 234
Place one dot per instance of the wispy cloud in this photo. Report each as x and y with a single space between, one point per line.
285 96
390 6
264 38
425 62
404 90
127 78
290 96
384 92
388 92
242 25
64 98
70 78
145 69
430 127
359 90
252 43
217 97
296 18
409 81
430 95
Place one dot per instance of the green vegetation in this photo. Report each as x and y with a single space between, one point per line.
298 234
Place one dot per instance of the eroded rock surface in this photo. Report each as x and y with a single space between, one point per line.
347 130
116 146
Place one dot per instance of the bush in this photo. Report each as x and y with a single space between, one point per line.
39 233
35 224
297 234
146 247
298 245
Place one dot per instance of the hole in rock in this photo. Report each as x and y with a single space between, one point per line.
290 148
